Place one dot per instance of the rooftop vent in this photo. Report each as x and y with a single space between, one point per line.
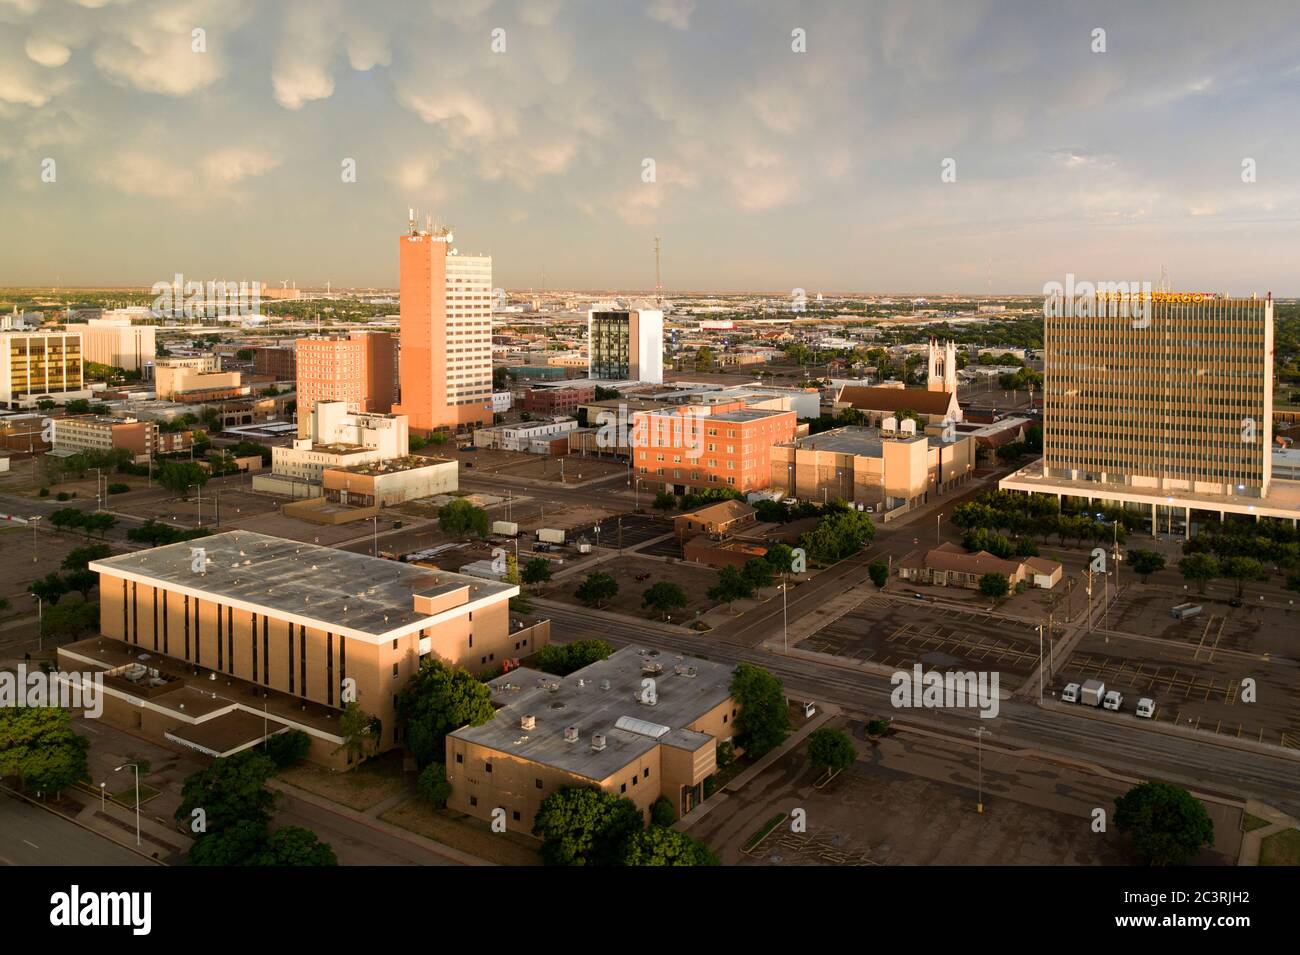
571 734
604 684
652 668
597 741
528 722
683 670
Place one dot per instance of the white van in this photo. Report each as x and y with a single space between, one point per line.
1070 694
1146 708
1113 701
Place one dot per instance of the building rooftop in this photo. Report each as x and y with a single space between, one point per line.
332 589
896 399
393 465
747 414
596 700
851 439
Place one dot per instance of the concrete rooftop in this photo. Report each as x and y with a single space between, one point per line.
579 700
333 588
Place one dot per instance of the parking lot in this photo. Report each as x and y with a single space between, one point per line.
1263 627
897 634
636 529
1195 683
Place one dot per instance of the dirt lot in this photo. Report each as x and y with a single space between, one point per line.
910 800
897 634
574 468
694 580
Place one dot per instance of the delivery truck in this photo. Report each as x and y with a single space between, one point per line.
1092 692
1183 611
505 528
549 535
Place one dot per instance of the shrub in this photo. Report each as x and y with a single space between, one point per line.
661 813
877 727
433 784
63 496
45 492
118 488
287 749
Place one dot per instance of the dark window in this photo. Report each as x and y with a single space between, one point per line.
633 780
460 758
487 767
538 782
252 642
155 618
135 616
266 651
221 641
473 800
329 668
302 654
623 788
395 670
516 815
724 718
187 626
646 773
165 624
290 657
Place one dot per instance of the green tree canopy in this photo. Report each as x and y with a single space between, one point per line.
831 749
460 518
1166 824
995 585
438 700
39 746
663 597
228 790
562 659
764 719
660 845
1145 563
597 589
581 826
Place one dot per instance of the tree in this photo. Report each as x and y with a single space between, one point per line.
1146 562
178 476
39 746
100 524
995 585
295 846
229 790
831 749
357 727
662 812
537 571
704 359
460 518
1242 569
732 585
70 619
67 517
562 659
780 556
879 572
660 845
79 558
1166 824
49 588
288 748
433 784
438 700
597 589
83 581
233 845
664 501
662 597
838 535
1199 569
580 826
758 572
764 719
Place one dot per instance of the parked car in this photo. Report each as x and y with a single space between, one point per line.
1113 701
1070 694
1234 602
1146 708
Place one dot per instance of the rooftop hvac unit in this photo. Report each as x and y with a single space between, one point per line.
571 734
652 668
909 426
528 722
598 741
889 425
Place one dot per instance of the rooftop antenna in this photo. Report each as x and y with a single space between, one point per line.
410 220
1164 279
428 223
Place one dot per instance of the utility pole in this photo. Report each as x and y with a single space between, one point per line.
980 732
659 287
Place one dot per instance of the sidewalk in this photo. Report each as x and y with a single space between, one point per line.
1251 842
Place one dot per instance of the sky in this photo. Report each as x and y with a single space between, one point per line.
562 137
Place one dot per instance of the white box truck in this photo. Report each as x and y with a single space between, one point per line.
1183 611
1092 692
505 528
549 535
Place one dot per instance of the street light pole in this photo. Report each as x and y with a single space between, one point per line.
937 518
980 732
136 767
785 617
40 630
35 518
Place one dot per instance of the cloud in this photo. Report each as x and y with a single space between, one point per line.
46 52
675 13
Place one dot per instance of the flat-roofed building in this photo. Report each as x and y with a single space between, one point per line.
212 643
385 483
36 365
117 342
196 380
625 345
883 469
1165 409
278 361
105 433
358 369
558 400
640 724
339 438
690 448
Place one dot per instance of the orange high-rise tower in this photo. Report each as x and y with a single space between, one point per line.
446 334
